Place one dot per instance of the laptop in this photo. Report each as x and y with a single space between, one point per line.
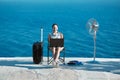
56 42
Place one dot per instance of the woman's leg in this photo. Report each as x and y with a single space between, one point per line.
57 54
53 49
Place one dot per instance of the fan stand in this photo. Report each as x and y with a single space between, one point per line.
94 56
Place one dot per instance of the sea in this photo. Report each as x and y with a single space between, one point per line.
22 20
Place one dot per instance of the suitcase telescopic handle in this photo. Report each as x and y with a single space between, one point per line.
41 36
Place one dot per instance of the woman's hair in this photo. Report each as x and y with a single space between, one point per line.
54 25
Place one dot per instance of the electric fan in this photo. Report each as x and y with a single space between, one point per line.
92 27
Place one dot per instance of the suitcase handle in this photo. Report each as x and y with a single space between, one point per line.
41 36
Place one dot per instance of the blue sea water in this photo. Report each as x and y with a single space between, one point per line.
20 23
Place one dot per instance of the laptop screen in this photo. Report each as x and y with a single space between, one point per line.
56 42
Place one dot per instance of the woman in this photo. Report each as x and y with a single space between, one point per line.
55 50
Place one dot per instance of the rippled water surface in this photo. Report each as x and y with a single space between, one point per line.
20 27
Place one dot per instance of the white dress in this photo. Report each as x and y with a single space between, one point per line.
56 36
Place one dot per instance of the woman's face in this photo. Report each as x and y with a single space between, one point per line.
55 28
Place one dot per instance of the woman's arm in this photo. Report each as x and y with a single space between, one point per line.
49 38
61 35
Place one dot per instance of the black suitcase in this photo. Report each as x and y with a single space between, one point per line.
37 52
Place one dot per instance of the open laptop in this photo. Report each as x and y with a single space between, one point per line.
56 43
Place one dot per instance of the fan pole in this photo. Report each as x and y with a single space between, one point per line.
94 46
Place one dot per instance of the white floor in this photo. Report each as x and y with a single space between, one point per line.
22 68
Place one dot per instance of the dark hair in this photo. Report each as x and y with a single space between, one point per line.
54 25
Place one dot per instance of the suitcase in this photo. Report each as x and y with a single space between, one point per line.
38 50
